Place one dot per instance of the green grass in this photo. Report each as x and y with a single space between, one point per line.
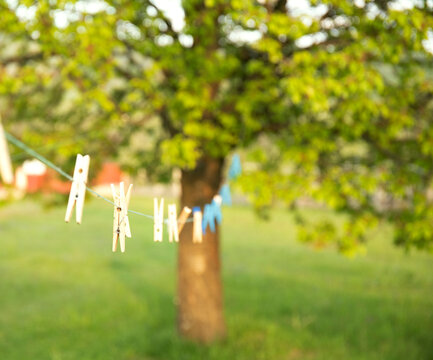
65 295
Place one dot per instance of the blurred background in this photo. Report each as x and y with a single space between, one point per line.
314 117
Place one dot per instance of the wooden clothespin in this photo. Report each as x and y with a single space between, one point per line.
184 215
78 188
158 214
197 231
212 214
5 159
121 228
173 231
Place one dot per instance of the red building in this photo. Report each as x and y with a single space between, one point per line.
33 176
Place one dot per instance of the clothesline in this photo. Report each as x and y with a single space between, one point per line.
22 154
208 218
12 139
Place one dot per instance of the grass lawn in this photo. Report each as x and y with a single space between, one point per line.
65 295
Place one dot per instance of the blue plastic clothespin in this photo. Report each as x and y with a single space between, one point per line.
208 219
217 212
196 208
212 213
235 167
226 195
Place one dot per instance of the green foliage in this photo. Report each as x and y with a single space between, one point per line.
181 152
341 93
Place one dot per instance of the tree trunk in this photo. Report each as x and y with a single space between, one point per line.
200 296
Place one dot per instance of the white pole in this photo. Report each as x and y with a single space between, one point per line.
5 159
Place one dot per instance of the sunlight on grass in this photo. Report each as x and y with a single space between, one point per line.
65 295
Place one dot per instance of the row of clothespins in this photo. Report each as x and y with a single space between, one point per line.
121 228
210 216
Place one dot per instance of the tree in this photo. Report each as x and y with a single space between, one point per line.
332 102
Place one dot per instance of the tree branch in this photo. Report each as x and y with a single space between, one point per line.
22 59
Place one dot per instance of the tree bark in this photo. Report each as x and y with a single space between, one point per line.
200 296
